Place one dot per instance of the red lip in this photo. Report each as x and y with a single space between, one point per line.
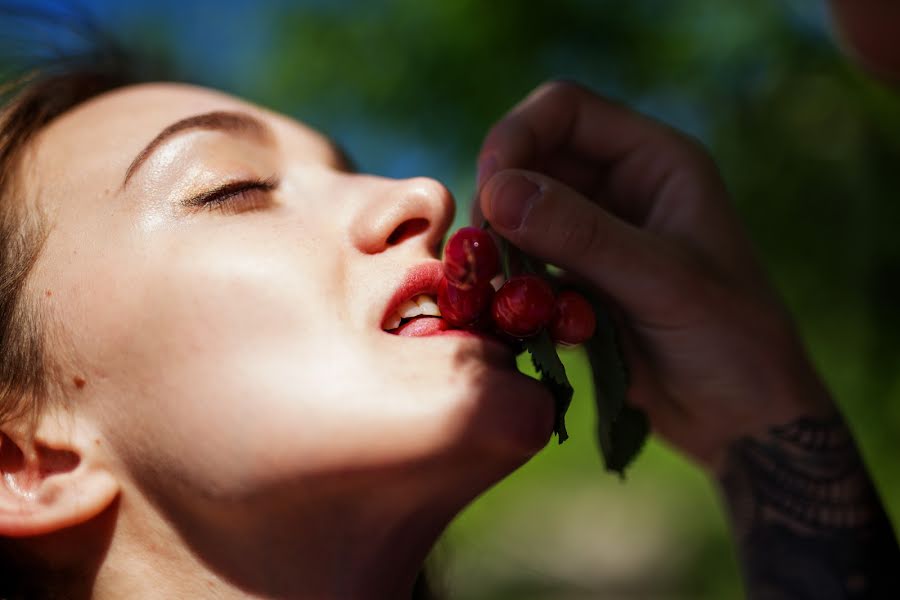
421 279
425 279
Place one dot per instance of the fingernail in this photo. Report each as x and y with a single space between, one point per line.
512 202
487 166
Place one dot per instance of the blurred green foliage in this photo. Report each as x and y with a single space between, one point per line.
808 145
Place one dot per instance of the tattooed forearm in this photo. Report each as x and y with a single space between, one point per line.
808 521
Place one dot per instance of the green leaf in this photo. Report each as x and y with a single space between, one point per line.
610 379
543 353
553 375
629 433
621 428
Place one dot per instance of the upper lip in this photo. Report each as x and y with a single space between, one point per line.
421 279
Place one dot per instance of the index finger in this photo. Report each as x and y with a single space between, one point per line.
563 117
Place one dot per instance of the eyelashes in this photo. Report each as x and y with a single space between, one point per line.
235 197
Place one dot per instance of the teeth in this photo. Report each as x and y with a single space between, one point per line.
428 306
408 309
423 304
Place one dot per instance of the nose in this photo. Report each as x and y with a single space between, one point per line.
409 211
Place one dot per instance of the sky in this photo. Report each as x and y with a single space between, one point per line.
223 43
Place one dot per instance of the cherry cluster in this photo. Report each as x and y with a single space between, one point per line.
522 307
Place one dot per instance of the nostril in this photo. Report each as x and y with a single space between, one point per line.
407 229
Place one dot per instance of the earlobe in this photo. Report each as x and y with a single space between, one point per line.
52 480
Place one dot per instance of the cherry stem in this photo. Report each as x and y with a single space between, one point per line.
527 264
524 262
504 257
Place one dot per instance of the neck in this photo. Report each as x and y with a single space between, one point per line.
358 549
355 537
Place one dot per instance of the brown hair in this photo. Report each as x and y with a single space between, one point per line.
26 107
42 82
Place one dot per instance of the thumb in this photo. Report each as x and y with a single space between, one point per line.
551 221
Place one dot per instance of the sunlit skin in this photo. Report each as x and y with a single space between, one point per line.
235 406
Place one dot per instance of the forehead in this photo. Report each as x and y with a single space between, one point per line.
97 140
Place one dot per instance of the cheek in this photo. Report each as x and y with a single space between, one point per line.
207 351
217 303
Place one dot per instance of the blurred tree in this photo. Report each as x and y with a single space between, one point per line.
807 145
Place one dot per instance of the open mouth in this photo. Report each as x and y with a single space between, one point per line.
420 316
420 305
413 310
416 316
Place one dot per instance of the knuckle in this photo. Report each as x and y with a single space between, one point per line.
506 133
704 174
698 151
560 91
692 147
700 170
491 139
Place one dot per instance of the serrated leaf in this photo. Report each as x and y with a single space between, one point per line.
543 353
610 380
621 428
553 375
629 433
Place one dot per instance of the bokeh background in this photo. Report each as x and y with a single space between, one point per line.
809 146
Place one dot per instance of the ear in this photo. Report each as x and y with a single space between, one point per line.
53 478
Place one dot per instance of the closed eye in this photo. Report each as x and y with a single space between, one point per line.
235 197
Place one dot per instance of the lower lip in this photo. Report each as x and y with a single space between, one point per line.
431 327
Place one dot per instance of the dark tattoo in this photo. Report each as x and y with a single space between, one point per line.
807 518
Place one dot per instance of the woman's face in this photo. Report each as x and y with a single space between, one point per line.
216 297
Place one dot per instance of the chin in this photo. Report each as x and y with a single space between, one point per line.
473 396
509 416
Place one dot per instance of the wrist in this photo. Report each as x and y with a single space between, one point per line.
788 391
790 387
798 393
806 516
790 472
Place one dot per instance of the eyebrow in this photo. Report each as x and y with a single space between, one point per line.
230 122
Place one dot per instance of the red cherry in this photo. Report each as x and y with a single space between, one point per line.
483 323
573 321
470 257
523 305
463 306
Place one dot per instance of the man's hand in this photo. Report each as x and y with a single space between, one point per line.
639 211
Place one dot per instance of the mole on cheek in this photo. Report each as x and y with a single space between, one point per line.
79 382
48 293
